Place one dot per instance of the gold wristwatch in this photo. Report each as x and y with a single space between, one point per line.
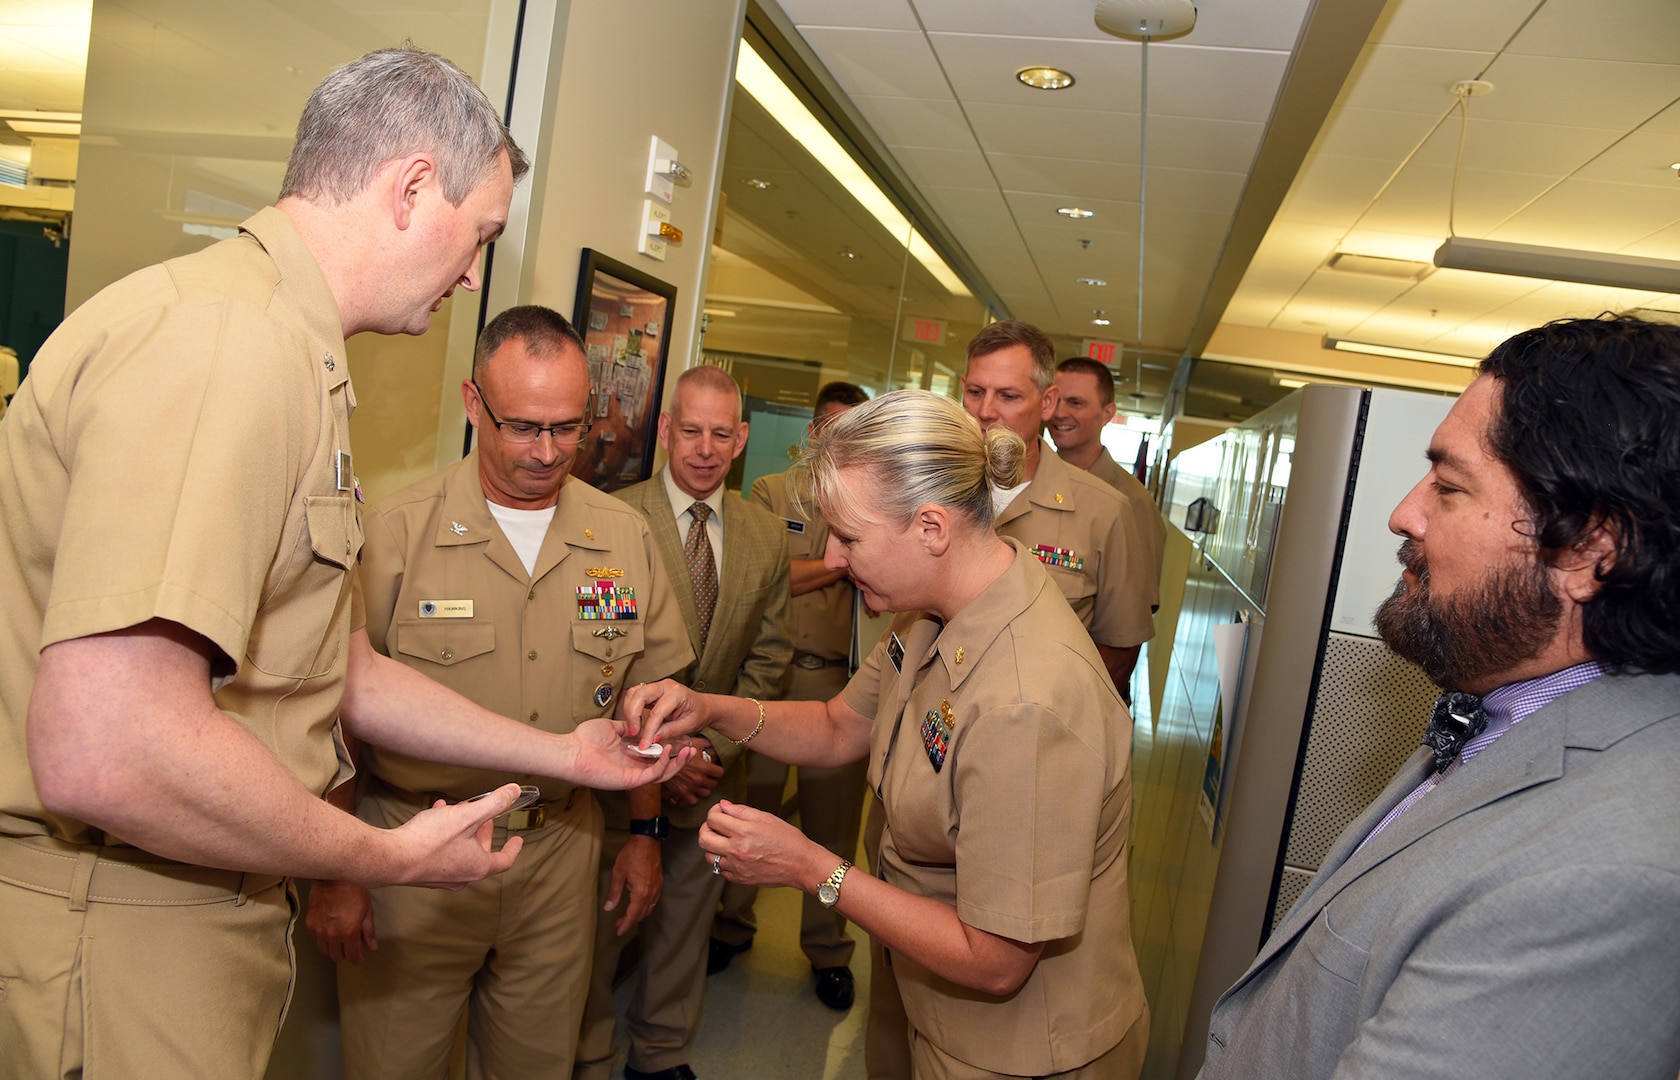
829 891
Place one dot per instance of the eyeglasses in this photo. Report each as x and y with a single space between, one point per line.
518 431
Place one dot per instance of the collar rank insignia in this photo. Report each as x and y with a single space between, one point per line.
1055 556
936 733
606 600
457 528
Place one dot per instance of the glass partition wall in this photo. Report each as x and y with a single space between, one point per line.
189 111
817 273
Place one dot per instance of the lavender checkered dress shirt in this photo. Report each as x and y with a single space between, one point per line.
1505 707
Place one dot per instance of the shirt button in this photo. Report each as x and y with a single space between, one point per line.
447 655
532 655
533 718
532 595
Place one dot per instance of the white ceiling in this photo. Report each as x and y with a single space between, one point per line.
1571 149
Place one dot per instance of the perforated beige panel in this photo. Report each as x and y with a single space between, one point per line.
1368 718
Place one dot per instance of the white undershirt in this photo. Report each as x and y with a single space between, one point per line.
1002 497
525 530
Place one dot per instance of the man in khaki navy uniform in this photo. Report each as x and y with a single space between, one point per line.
1083 532
538 597
830 800
1084 406
743 649
177 527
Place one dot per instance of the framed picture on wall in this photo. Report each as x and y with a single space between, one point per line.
625 318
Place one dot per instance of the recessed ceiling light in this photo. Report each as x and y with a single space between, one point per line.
1090 281
1045 78
1075 212
846 253
1099 322
755 182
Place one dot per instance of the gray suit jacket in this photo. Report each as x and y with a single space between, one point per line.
750 643
1522 920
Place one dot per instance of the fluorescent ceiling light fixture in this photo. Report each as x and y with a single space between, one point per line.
719 313
1045 78
1089 281
1350 262
1370 348
767 88
1099 322
1293 384
1559 264
1075 212
755 182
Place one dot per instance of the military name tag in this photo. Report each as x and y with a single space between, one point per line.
936 733
895 652
446 609
343 477
794 526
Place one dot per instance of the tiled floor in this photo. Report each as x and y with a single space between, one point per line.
762 1020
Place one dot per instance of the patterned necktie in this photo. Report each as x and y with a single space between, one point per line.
702 568
1457 719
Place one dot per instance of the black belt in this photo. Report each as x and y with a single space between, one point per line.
813 662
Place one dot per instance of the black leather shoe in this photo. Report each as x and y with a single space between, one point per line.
719 956
675 1072
834 987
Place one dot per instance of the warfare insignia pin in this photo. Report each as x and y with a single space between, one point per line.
603 695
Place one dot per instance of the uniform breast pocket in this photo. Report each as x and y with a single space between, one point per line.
1075 585
445 642
296 633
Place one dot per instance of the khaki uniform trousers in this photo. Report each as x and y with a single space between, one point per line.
830 803
117 965
670 980
1123 1062
512 950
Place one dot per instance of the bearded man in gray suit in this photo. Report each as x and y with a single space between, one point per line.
1507 907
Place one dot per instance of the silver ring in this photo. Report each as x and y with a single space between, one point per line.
717 861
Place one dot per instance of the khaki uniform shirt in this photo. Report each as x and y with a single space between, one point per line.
1083 533
1146 516
1023 826
821 619
447 595
181 451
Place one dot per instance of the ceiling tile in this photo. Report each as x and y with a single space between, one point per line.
887 63
923 122
1593 215
876 14
1394 78
1483 25
1642 31
1578 93
947 168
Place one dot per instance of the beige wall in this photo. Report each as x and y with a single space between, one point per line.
633 69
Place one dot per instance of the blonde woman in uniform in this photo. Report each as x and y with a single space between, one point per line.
996 743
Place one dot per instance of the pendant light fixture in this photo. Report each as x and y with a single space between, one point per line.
1142 20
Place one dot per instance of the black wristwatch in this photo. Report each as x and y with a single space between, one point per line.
657 827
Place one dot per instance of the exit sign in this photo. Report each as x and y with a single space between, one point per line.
926 331
1103 352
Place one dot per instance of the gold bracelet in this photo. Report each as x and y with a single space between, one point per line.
754 733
